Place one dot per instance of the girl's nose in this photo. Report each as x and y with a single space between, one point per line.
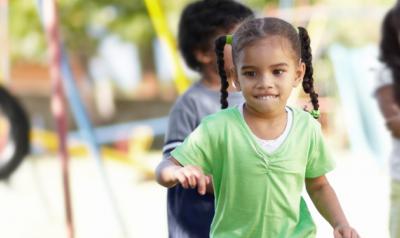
265 81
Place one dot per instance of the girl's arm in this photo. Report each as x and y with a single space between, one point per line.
326 202
169 172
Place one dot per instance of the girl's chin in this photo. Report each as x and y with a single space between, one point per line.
265 109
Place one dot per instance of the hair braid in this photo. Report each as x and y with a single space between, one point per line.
219 50
306 57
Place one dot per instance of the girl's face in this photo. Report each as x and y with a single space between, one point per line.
267 71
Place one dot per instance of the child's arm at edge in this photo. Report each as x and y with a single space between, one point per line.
170 172
389 108
327 203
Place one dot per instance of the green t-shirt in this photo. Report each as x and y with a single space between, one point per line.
257 194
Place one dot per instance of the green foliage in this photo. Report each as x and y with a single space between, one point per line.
260 4
84 22
80 24
26 35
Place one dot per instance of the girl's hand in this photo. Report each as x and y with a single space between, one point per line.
345 232
192 176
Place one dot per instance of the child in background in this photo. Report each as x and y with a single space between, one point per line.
189 214
261 154
388 96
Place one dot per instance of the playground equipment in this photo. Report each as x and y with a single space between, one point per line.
159 22
14 133
14 123
64 88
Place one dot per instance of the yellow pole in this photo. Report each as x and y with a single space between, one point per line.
160 24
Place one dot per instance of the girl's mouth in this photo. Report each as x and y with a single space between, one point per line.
266 97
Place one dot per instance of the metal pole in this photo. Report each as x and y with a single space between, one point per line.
85 128
58 105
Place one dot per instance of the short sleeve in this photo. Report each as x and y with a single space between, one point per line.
196 149
320 161
181 122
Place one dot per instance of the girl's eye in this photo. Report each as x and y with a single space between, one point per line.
250 74
278 72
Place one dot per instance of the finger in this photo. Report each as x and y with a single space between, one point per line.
336 234
190 178
208 180
347 233
199 178
201 188
192 181
196 173
182 180
354 234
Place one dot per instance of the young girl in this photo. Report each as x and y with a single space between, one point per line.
261 153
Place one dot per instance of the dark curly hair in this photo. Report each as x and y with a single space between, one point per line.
202 21
256 29
390 46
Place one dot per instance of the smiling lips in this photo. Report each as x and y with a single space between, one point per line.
266 97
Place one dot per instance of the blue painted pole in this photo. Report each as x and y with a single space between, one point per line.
85 127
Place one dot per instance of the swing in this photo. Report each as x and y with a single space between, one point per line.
14 122
14 134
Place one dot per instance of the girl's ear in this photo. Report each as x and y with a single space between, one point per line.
203 57
299 74
235 81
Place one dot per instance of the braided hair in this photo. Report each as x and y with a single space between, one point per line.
256 29
219 50
306 57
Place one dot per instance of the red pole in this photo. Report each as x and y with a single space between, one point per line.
58 105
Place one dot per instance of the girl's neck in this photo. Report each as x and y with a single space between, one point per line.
265 126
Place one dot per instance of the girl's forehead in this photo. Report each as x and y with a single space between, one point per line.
276 47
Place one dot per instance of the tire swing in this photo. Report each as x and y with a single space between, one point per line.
14 134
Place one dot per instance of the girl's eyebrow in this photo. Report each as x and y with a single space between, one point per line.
271 66
278 65
247 66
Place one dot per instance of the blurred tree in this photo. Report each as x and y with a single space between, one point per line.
83 24
26 35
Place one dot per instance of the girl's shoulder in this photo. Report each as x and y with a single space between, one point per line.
302 117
